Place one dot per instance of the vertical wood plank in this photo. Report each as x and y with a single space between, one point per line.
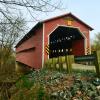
97 62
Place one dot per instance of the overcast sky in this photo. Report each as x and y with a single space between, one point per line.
86 10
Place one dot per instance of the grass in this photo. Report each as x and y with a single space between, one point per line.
83 67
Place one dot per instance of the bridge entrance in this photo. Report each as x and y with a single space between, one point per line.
66 41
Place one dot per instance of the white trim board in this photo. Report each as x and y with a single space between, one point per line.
43 46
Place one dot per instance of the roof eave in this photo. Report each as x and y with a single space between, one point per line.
29 34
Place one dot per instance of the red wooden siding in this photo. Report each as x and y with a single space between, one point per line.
31 57
78 47
49 26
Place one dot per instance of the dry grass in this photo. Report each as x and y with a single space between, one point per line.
83 67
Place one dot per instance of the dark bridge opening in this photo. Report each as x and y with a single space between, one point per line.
65 41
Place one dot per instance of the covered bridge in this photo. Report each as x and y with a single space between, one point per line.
58 36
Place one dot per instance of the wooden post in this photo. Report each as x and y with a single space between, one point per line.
69 66
97 62
69 61
48 64
63 63
55 62
51 63
60 63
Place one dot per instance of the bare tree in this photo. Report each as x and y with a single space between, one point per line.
10 8
9 33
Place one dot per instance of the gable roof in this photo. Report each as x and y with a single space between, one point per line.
31 32
69 14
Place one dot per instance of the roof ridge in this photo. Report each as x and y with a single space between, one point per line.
49 19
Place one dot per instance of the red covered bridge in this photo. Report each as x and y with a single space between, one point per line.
62 35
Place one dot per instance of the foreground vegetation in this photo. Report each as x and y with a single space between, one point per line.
54 85
45 84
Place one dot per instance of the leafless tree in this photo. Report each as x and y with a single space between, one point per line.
10 8
10 33
28 9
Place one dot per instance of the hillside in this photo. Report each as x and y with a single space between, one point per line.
54 85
